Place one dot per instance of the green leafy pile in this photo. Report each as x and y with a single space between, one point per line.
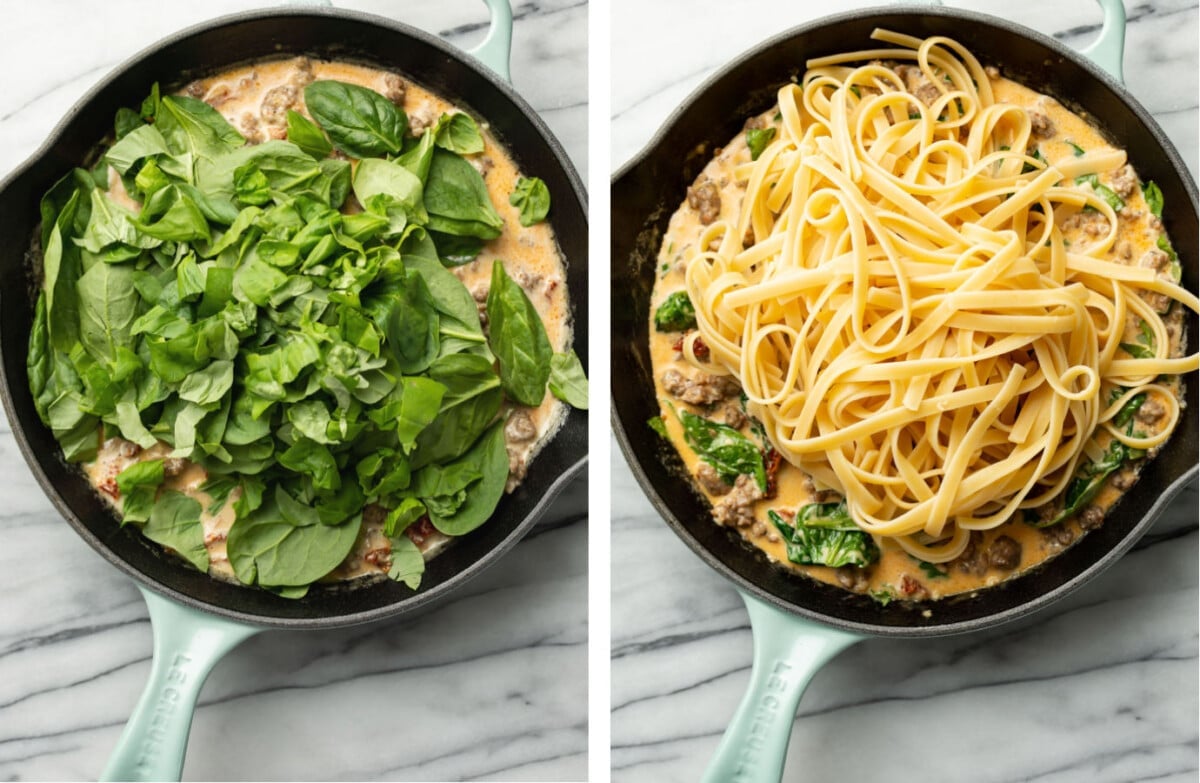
313 360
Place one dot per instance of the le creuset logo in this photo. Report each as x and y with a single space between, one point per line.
765 715
168 704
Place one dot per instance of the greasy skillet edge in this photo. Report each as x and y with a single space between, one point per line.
208 48
648 189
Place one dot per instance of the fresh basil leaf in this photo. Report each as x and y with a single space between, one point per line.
175 523
360 122
568 381
531 196
518 338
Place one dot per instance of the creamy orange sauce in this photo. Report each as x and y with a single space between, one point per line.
895 570
530 255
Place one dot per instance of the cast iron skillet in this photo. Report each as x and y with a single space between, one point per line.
188 642
648 190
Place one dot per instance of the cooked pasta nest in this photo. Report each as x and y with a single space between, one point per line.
910 327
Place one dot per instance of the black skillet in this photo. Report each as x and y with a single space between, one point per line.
197 619
800 624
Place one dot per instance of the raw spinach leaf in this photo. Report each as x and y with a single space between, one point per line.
457 199
399 518
518 338
458 133
490 457
279 545
175 523
191 126
360 122
305 134
108 305
532 197
567 380
408 564
375 177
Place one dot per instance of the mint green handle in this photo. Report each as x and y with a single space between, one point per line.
187 644
496 48
788 651
1108 50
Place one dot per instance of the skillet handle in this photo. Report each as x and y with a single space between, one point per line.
1108 50
788 651
187 644
496 48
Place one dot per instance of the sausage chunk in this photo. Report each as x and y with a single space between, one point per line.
394 89
737 507
1093 224
734 416
711 481
705 389
276 102
1091 517
853 578
1124 182
1041 123
705 198
1004 553
520 428
1150 411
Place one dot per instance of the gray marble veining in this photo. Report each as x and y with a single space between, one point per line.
493 685
1102 686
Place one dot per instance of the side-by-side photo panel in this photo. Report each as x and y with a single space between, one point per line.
294 336
904 320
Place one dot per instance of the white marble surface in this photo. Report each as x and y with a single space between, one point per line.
1100 687
491 686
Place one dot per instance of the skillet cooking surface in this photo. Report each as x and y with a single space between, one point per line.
208 49
647 191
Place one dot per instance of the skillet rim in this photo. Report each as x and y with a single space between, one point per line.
714 561
574 420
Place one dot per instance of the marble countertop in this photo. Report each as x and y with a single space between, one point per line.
493 685
1102 686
